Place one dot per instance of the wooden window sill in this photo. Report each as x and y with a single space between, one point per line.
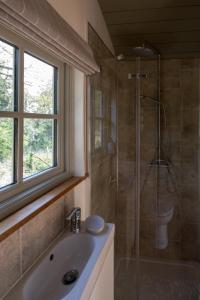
21 217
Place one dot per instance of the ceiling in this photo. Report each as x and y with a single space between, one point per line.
171 26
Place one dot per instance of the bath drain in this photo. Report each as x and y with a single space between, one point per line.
70 277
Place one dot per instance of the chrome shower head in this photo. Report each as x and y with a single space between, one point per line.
142 51
146 50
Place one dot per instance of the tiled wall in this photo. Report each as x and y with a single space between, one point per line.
21 249
102 161
180 139
125 208
180 93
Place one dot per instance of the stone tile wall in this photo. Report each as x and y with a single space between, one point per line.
125 207
102 162
22 249
180 145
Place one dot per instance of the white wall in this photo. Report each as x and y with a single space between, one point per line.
78 13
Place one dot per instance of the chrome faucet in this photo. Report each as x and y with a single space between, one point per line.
74 217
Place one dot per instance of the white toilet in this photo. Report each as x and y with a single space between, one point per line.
163 215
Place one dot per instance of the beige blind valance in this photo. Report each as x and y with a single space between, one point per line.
37 21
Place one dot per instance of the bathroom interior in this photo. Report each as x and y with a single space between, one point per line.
135 151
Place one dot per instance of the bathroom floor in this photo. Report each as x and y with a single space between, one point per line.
159 281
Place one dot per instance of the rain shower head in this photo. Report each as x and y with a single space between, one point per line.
144 50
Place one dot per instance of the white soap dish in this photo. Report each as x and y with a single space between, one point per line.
94 224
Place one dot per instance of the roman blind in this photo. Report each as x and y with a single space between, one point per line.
37 21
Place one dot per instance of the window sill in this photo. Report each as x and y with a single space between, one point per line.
24 215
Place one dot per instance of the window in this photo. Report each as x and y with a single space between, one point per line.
40 101
98 119
31 117
7 104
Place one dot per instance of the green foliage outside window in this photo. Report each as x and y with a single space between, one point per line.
38 139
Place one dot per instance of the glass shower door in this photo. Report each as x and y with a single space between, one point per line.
125 241
169 198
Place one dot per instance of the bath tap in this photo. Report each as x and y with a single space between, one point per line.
74 216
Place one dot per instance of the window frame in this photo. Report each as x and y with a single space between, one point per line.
98 118
18 192
54 116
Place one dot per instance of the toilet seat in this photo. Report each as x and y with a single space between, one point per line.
164 209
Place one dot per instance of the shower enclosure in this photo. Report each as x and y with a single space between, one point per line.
158 204
155 203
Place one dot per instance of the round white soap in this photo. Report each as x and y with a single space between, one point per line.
94 224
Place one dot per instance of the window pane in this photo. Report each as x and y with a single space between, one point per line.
98 104
38 146
98 134
39 80
6 151
7 76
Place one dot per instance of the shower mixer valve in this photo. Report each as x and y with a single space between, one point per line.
139 75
